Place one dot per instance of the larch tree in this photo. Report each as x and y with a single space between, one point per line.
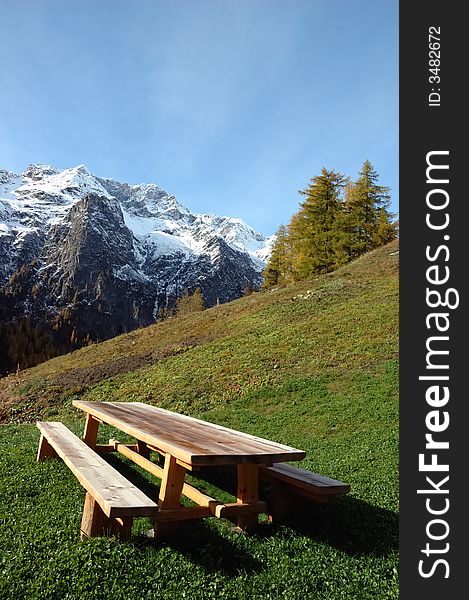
314 232
190 303
366 211
385 230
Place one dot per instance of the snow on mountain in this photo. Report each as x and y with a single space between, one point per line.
42 196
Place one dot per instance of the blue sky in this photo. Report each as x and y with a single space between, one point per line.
231 105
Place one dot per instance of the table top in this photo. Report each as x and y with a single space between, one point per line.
193 441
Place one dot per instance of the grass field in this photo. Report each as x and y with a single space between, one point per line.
312 365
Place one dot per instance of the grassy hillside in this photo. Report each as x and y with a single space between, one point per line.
313 365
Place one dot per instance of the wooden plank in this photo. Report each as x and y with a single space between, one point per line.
248 488
103 448
185 465
285 500
197 496
183 513
247 493
172 483
191 441
305 481
155 449
240 509
114 443
114 493
218 509
121 527
280 501
139 460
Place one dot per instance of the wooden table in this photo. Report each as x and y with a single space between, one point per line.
186 444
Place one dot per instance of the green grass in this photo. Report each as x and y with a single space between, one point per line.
319 373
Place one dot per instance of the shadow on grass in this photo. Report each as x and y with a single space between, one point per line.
195 539
127 469
205 546
346 523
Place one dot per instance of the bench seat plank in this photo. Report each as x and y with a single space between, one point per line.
304 480
288 481
116 496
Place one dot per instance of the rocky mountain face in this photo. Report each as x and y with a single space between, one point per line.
86 258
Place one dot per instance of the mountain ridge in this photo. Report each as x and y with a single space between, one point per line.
24 198
86 258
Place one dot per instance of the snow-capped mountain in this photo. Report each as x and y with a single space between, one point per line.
113 254
42 196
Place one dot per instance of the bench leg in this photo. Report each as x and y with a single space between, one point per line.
172 483
285 502
279 502
94 522
122 528
248 491
45 450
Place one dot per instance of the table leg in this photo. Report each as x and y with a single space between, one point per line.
143 449
248 491
170 492
91 431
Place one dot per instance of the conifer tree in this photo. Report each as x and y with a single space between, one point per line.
385 230
277 269
344 227
338 221
365 206
189 303
314 231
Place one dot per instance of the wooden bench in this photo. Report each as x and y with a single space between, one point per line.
111 500
287 480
